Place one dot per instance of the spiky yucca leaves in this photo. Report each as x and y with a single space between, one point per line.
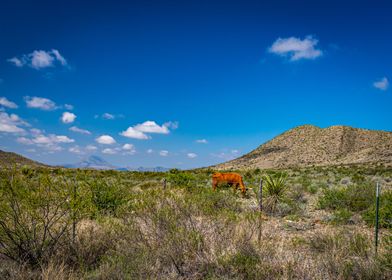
274 189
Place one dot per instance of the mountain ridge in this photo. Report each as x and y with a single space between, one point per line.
8 159
308 145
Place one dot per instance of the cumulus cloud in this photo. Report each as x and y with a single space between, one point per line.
140 131
68 106
52 139
105 140
79 130
91 148
191 155
68 117
40 103
11 123
16 61
24 141
76 150
7 103
49 142
133 133
152 127
382 84
109 151
150 151
295 48
202 141
129 149
108 116
164 153
39 59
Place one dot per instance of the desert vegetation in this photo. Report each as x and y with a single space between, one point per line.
317 223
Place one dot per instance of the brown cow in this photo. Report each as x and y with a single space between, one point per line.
233 179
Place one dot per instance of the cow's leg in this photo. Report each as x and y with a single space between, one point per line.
214 183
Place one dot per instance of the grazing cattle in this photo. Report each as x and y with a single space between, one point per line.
232 179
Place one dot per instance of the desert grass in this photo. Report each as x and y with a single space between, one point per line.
124 225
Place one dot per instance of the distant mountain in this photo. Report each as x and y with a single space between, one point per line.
96 162
8 159
309 145
92 162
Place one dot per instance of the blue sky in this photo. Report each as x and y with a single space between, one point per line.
186 83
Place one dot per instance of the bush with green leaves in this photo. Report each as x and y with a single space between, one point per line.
107 196
385 211
354 197
36 217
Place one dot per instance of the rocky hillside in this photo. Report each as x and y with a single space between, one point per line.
310 145
8 159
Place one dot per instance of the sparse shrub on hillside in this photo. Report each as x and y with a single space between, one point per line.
354 198
35 218
106 196
181 178
385 211
340 217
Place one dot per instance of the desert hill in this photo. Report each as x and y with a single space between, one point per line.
8 159
310 145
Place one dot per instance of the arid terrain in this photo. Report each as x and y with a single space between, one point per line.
316 222
309 145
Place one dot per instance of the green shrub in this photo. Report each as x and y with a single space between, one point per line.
341 217
354 198
385 211
107 196
181 178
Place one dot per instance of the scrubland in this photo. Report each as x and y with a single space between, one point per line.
318 223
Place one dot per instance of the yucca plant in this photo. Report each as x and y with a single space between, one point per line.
274 189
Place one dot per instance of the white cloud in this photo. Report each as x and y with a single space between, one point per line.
140 131
35 131
39 59
382 84
105 140
164 153
202 141
76 150
24 141
150 151
133 133
109 151
129 149
79 130
296 48
68 106
172 125
91 148
11 123
7 103
49 142
59 57
40 103
191 155
68 117
108 116
52 139
16 61
152 127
